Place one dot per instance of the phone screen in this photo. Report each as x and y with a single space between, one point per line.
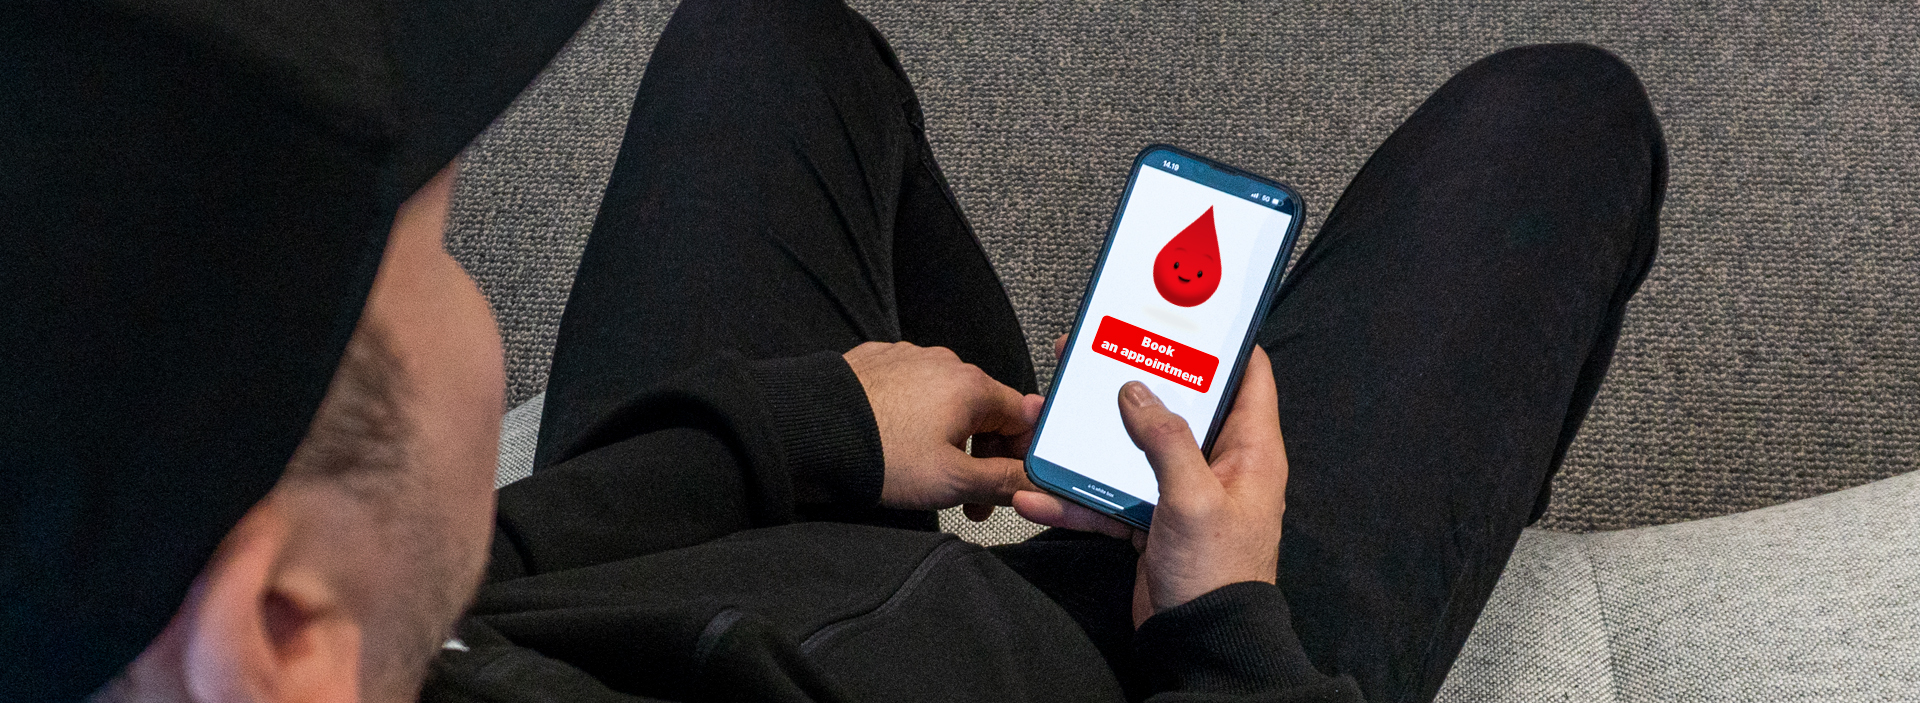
1194 251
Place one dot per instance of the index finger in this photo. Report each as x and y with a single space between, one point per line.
1000 410
1012 446
992 480
1053 511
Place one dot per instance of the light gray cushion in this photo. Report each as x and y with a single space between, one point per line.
1813 600
519 435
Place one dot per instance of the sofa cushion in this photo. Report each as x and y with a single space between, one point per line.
1813 600
519 436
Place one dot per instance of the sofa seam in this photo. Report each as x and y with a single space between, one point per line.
1606 625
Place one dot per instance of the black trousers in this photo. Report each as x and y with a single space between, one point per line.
1436 347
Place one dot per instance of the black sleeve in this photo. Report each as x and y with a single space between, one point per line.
726 446
1234 644
486 668
826 429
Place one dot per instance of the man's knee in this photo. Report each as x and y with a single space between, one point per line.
775 53
1579 77
766 25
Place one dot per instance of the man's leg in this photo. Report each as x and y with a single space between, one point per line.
774 196
1439 343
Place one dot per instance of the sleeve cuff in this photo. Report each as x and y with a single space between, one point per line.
826 428
1236 639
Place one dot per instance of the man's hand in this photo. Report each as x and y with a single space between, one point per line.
927 403
1216 524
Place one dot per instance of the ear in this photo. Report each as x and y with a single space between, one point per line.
260 627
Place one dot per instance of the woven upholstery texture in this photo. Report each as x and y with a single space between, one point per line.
519 436
1807 601
1543 635
1771 355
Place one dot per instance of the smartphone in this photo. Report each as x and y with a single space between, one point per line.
1192 259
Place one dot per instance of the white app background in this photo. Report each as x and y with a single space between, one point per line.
1083 432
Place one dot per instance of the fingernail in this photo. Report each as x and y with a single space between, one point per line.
1137 394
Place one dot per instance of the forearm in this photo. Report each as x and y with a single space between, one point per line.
729 445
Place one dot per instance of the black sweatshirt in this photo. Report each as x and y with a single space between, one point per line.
594 595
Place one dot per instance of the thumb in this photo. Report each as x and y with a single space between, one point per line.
1168 442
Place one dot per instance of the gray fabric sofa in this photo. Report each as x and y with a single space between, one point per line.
1771 359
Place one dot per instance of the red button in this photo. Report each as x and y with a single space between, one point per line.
1158 355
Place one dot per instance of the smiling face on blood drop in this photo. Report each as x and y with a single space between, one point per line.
1187 270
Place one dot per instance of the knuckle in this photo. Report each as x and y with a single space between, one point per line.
1011 481
1167 428
980 378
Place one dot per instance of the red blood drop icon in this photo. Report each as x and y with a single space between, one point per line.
1187 271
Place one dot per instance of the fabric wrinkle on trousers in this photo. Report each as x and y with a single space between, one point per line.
1435 348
